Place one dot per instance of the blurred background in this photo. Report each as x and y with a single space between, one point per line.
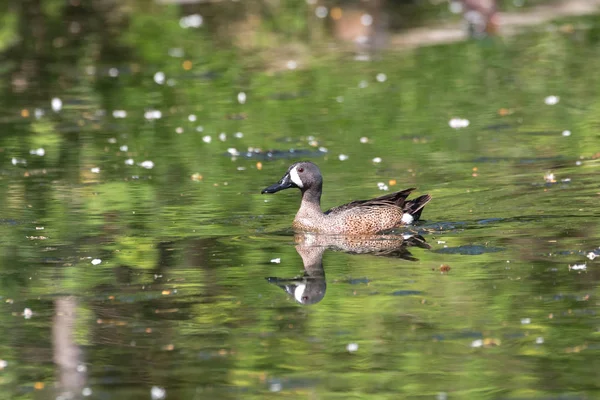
138 259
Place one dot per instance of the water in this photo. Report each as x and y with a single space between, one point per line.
158 269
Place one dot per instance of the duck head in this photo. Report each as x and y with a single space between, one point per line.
303 175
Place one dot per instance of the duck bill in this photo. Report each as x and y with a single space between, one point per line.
284 183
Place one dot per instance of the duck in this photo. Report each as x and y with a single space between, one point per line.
360 217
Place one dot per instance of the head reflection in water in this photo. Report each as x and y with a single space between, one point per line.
311 287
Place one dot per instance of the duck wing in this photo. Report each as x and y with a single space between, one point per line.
397 199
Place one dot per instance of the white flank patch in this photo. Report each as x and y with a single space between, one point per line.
296 178
407 219
299 291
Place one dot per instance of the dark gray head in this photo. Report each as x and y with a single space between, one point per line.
306 291
303 175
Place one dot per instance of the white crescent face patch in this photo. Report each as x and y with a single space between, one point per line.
296 178
299 292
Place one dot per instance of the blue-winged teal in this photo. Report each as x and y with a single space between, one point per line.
310 288
355 218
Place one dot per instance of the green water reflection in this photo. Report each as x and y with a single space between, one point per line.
135 246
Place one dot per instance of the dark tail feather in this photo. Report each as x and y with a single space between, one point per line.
415 206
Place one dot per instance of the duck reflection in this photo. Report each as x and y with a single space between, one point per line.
310 288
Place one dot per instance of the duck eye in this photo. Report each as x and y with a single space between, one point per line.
300 169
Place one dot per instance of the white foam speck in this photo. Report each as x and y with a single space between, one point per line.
95 170
241 97
158 393
96 261
159 77
276 260
147 164
458 123
56 104
321 11
119 114
552 100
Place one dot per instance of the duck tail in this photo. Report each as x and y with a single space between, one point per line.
414 207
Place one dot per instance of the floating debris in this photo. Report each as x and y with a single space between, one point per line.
382 186
591 255
321 12
366 19
488 342
276 260
179 130
159 77
381 77
364 139
458 123
158 393
113 72
233 152
566 133
549 177
377 160
27 313
199 129
124 148
525 321
256 153
147 164
241 97
192 118
578 267
222 136
444 268
96 261
363 84
152 114
539 340
3 364
129 161
343 157
56 104
119 113
176 52
95 170
206 139
352 347
238 135
197 177
339 99
38 152
552 100
191 21
292 64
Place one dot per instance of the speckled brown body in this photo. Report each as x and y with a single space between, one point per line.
362 217
353 221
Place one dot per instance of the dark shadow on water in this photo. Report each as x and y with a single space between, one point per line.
310 288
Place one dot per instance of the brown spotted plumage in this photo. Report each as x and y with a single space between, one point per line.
355 218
